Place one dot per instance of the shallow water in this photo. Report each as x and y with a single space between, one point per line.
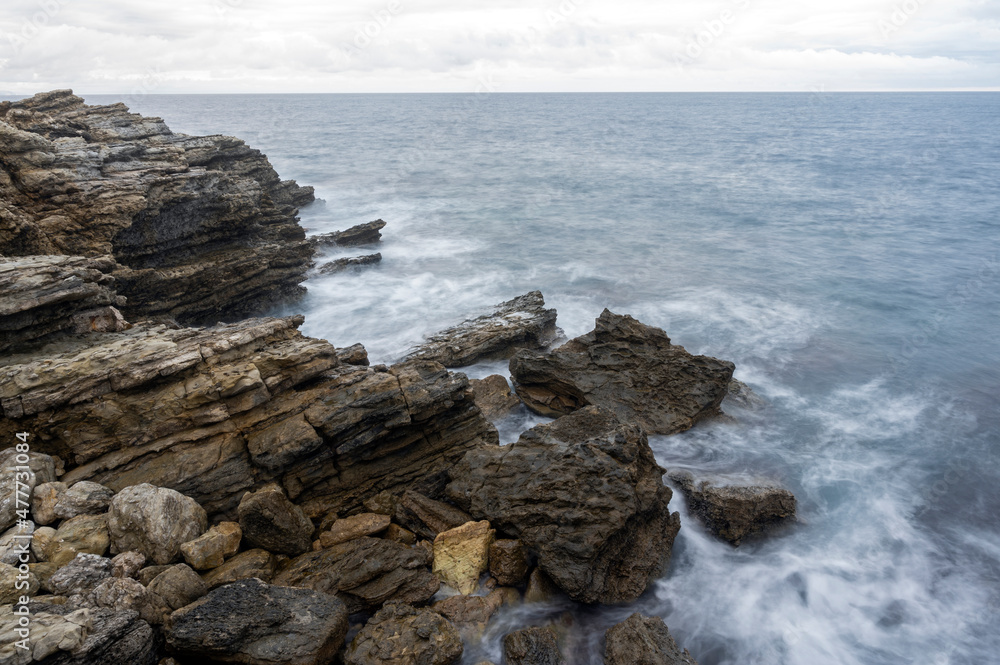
842 249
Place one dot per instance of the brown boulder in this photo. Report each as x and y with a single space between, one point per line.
641 640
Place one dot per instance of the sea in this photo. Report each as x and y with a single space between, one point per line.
842 249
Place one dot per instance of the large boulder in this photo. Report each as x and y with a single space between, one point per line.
254 623
400 634
270 521
585 494
641 640
155 521
627 367
521 323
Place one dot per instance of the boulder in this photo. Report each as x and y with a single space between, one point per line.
340 265
155 521
461 555
400 634
49 634
362 234
40 469
365 573
494 397
15 544
428 517
43 502
127 564
10 578
735 512
531 646
80 576
254 623
585 494
83 498
83 533
521 323
641 640
270 521
212 548
178 586
126 593
508 562
355 526
252 563
629 368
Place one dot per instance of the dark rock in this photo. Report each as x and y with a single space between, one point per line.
540 588
343 264
494 397
353 355
428 517
272 522
403 635
470 614
508 562
734 512
643 640
115 637
627 367
254 623
521 323
585 494
531 646
362 234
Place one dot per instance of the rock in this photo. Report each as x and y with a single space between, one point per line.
341 265
83 533
585 494
80 576
200 228
212 548
427 517
102 319
470 614
362 234
178 586
494 397
49 634
742 395
508 562
383 503
641 640
155 521
254 623
149 573
349 528
734 512
270 521
398 534
365 573
521 323
10 578
83 498
127 564
15 544
43 502
531 646
114 637
40 469
355 354
461 555
541 588
41 541
629 368
252 563
400 634
126 593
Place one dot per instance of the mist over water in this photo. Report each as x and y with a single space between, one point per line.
841 249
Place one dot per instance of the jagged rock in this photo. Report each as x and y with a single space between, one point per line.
155 521
127 564
41 469
270 521
178 586
252 563
80 576
461 555
126 593
114 637
521 323
362 234
627 367
494 397
199 227
258 624
83 498
540 588
428 517
641 640
743 395
399 634
212 548
84 533
470 614
355 526
383 503
531 646
48 634
355 354
343 264
584 493
149 573
10 578
734 512
365 573
508 562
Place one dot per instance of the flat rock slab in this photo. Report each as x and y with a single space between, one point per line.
627 367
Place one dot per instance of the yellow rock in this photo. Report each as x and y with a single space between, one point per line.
461 555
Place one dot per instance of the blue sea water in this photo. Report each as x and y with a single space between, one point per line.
842 249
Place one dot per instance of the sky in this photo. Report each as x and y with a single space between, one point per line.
134 47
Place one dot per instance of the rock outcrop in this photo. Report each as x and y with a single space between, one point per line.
340 265
368 233
199 228
627 367
641 640
521 323
585 494
399 634
494 397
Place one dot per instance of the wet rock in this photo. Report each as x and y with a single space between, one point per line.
494 397
349 528
178 586
365 573
461 555
252 563
362 234
254 623
470 614
585 494
399 634
521 323
212 548
735 512
629 368
743 395
270 521
155 521
508 562
531 646
641 640
343 264
427 517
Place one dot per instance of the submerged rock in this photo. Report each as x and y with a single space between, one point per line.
368 233
585 494
641 640
521 323
743 395
532 646
341 265
399 634
627 367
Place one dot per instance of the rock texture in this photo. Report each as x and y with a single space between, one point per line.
508 562
627 367
427 517
461 555
198 228
585 494
368 233
155 521
521 323
402 635
257 624
272 522
340 265
641 640
494 397
532 646
735 512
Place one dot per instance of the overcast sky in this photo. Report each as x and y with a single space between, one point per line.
171 46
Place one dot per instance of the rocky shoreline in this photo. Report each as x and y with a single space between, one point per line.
181 484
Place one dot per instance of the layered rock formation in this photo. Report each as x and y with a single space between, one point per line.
197 228
368 233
